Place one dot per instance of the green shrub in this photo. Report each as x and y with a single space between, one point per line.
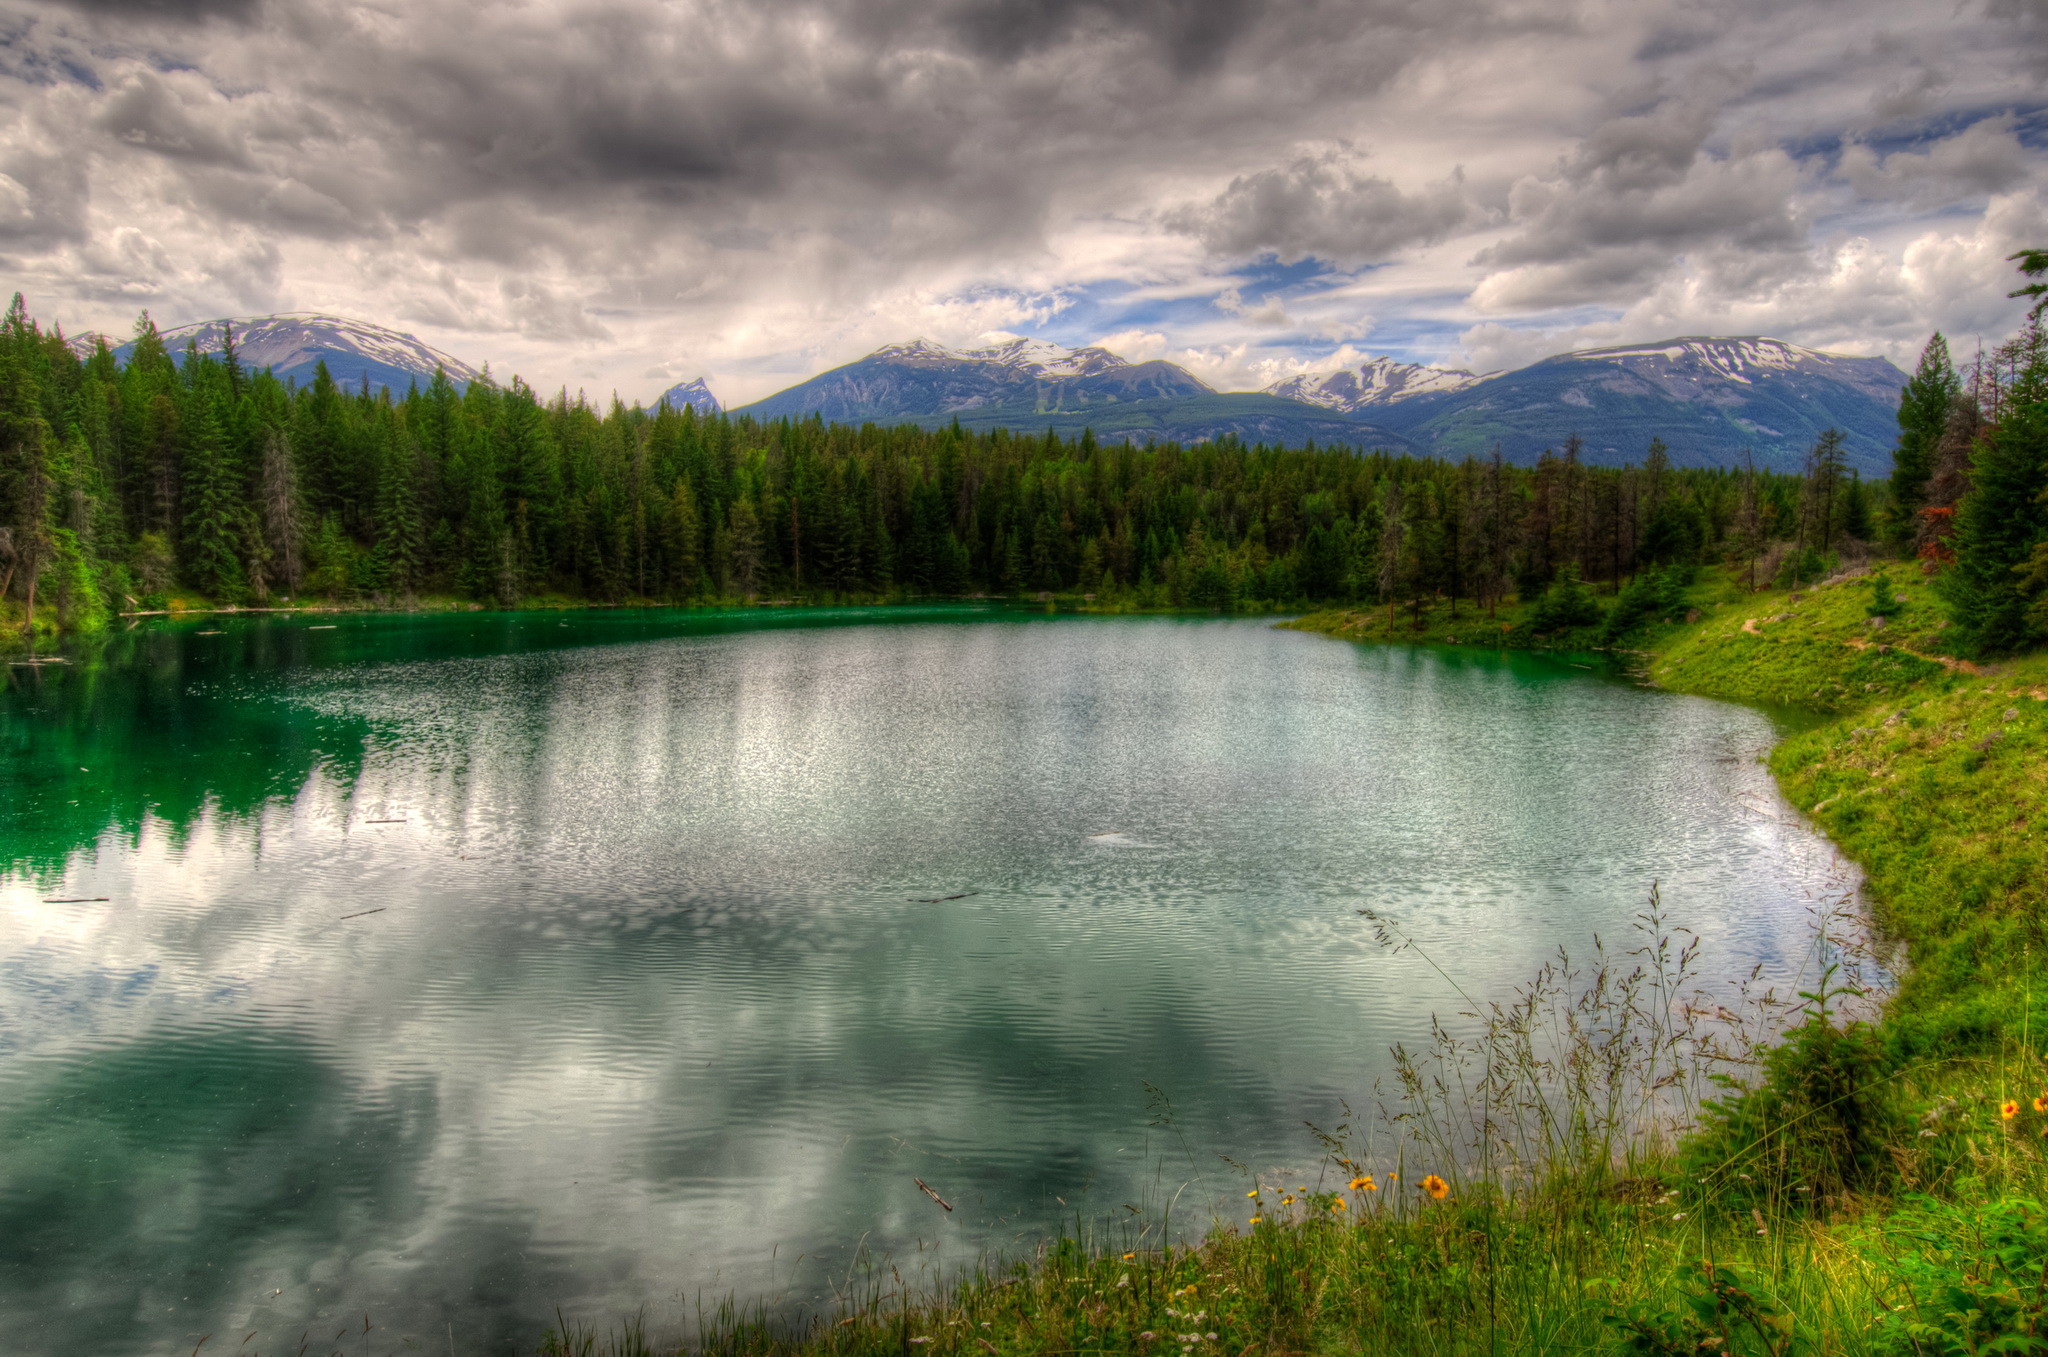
1816 1127
1651 594
1567 603
1803 568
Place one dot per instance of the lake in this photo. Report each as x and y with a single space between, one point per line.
455 968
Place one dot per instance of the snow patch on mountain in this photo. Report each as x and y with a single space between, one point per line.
293 344
1696 364
1038 358
1383 381
693 395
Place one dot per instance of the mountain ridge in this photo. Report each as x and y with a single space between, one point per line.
292 344
1709 398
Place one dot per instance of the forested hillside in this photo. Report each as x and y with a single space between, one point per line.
189 478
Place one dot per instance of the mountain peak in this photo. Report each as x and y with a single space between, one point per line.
292 344
1379 382
1028 377
1037 356
692 394
1694 363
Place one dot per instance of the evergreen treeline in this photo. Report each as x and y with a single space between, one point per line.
124 487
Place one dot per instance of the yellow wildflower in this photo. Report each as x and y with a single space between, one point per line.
1364 1183
2041 1102
2009 1109
1337 1205
1436 1187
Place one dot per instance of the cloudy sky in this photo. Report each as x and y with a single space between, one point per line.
616 194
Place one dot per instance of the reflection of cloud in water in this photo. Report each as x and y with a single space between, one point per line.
662 999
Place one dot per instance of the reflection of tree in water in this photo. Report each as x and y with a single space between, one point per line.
151 724
167 721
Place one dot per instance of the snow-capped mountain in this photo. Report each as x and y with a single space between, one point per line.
1026 376
293 345
1379 382
1698 364
1043 360
1709 398
693 395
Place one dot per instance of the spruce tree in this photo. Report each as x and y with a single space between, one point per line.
280 512
743 547
1923 415
210 540
682 537
401 543
1999 522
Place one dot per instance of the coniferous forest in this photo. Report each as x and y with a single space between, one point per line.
185 479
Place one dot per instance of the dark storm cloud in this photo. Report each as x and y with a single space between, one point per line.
1640 192
904 130
172 11
1322 207
1193 35
781 173
147 114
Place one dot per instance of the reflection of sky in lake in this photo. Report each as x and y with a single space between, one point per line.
601 975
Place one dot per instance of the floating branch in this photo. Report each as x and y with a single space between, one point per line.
933 1195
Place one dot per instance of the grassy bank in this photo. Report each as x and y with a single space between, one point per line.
1878 1195
1932 773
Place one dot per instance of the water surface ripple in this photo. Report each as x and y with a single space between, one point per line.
453 969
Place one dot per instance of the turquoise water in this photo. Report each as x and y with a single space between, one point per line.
453 969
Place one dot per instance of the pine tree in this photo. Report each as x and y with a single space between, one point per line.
280 513
682 534
1923 416
743 547
2000 520
1935 521
210 542
401 544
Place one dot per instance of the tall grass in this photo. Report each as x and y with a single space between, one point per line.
1571 1169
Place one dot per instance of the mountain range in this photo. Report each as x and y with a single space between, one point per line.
1031 385
1709 398
293 345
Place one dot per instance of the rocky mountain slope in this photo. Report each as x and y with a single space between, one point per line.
692 395
1708 398
922 381
293 345
1383 381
